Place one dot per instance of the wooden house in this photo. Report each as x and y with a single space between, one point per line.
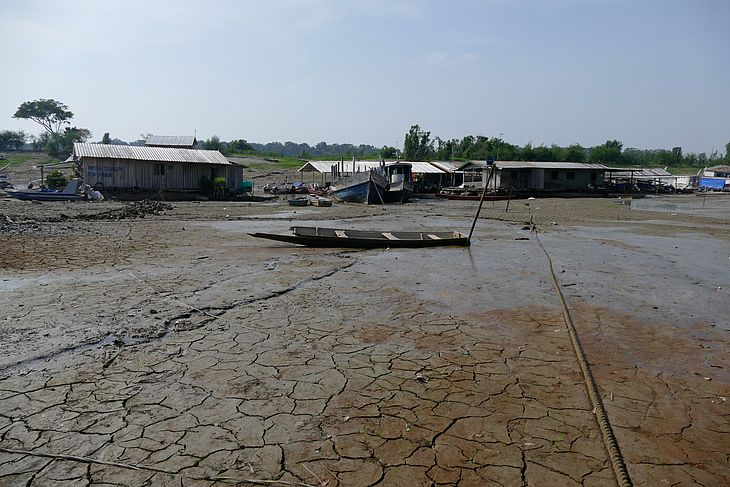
547 176
125 168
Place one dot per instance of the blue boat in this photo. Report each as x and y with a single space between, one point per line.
70 193
367 187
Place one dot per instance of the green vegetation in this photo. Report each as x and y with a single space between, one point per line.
283 162
10 140
27 159
418 146
56 179
52 115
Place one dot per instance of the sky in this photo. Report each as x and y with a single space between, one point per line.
650 73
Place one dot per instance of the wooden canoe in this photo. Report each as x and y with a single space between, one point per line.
366 239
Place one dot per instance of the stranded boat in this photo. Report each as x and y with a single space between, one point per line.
367 187
363 239
69 193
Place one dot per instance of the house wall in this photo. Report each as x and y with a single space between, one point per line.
146 175
548 179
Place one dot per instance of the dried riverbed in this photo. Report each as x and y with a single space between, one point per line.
174 349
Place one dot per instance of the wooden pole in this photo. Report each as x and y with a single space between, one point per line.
481 201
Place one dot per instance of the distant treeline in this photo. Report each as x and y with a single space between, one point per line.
292 149
419 146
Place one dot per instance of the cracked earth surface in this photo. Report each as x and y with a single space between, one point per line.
203 357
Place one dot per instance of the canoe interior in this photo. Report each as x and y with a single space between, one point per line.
372 234
333 237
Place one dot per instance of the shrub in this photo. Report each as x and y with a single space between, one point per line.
56 179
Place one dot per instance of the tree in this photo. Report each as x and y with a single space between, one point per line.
388 152
239 145
62 144
106 139
574 153
608 152
10 140
214 143
48 113
527 153
418 145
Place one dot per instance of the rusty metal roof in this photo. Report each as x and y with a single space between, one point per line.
155 154
181 141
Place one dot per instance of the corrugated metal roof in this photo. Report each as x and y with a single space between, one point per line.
547 165
324 167
471 165
420 167
143 153
446 166
642 173
168 140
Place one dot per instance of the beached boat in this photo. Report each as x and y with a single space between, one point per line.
299 201
362 239
320 201
489 197
69 193
400 184
367 187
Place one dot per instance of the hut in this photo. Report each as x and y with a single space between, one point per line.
452 176
135 168
423 173
645 177
547 176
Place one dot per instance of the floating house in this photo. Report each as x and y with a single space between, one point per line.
651 176
135 168
547 176
423 173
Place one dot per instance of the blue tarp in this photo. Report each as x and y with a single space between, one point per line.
714 183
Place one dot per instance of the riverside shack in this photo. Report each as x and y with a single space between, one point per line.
547 176
135 168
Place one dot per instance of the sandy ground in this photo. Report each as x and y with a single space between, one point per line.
180 346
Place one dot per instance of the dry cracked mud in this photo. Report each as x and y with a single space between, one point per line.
176 350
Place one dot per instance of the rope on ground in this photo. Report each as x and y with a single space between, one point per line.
609 439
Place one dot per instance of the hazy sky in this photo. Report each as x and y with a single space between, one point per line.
651 73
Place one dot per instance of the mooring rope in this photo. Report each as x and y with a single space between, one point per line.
609 439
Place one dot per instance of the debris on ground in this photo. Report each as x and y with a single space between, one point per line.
135 209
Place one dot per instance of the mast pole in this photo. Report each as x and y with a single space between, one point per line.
481 201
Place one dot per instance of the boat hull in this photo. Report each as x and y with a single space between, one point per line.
42 196
330 237
367 188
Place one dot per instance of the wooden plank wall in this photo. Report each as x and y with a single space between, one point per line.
179 176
